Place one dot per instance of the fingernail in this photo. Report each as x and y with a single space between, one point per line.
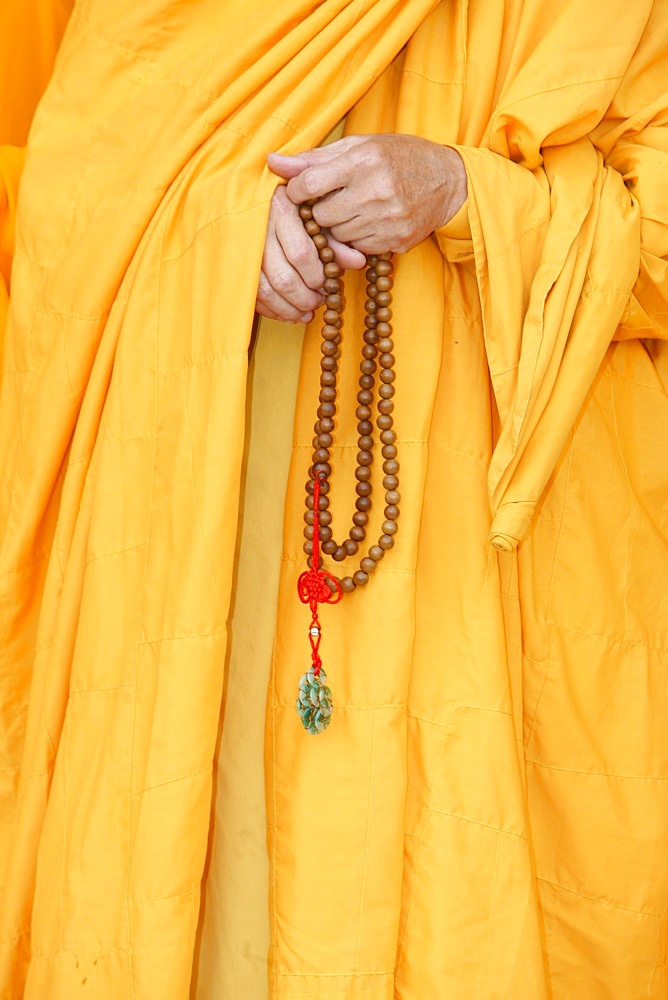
306 318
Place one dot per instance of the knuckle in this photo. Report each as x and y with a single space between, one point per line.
283 281
302 255
309 181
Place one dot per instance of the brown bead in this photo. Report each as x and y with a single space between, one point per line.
365 427
325 441
305 211
330 332
328 364
365 442
386 542
368 366
330 547
321 455
370 322
326 255
385 406
339 555
366 382
330 317
383 268
309 516
382 299
328 348
393 497
389 451
390 527
324 467
384 331
332 270
334 302
325 534
360 518
371 289
308 531
369 352
384 284
370 306
347 584
323 503
386 360
308 548
387 375
332 285
363 504
370 337
385 345
362 413
391 512
360 578
383 315
367 565
327 395
312 228
364 458
327 425
363 489
388 438
357 533
376 553
320 241
326 410
384 422
328 379
365 397
390 482
350 547
386 391
325 517
391 467
362 473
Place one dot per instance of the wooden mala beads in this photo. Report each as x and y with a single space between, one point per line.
317 585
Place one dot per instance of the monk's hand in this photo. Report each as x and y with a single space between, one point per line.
377 192
292 276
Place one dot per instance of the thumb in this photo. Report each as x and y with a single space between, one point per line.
346 257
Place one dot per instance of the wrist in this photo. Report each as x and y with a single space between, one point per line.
455 186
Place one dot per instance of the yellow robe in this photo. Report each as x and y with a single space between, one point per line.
487 814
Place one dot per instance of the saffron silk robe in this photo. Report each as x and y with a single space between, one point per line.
488 812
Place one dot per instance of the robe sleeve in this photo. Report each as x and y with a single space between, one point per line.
571 257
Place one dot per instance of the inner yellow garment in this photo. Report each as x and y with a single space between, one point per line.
487 814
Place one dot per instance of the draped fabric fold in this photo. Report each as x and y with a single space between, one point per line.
140 231
440 837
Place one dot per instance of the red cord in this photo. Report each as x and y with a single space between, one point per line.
317 586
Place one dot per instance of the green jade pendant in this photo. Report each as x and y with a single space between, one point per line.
315 702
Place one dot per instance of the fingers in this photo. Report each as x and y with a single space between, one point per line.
346 256
288 167
273 305
291 279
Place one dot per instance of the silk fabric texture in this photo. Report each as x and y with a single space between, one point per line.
487 813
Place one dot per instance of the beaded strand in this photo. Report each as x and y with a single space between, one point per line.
377 356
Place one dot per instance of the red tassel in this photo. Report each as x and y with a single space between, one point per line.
317 586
